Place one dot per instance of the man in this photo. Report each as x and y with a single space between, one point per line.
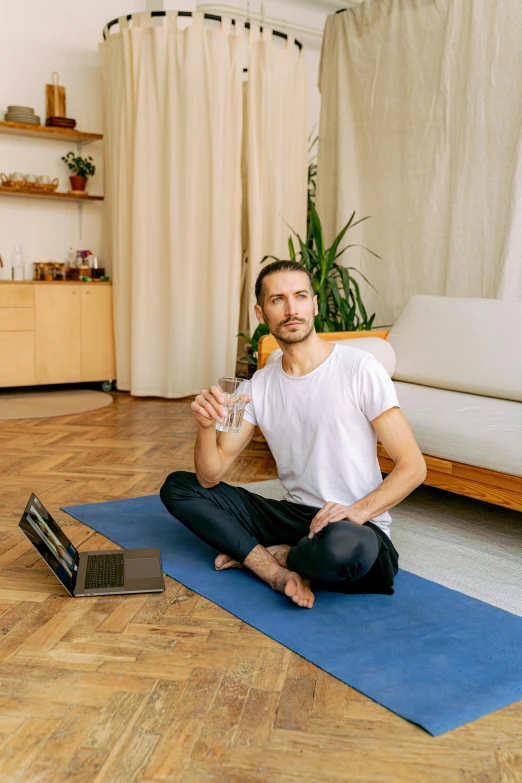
321 408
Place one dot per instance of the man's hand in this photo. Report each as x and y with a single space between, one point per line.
208 407
333 512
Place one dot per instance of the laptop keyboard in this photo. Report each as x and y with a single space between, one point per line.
104 571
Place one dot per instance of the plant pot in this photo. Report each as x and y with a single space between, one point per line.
78 183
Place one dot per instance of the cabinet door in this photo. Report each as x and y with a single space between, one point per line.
58 333
98 362
17 358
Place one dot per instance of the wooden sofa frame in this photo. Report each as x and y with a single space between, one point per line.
502 489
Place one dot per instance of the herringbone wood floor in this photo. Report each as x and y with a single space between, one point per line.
171 687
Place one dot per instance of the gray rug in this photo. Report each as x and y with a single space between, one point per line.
470 546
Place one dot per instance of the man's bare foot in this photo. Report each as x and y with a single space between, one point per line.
295 587
280 552
222 562
266 567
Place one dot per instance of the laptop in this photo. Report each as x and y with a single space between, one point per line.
117 572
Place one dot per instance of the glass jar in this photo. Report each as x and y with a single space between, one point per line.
17 264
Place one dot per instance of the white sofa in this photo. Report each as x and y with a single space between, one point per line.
457 367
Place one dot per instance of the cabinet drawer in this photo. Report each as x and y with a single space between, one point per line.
17 359
16 295
16 319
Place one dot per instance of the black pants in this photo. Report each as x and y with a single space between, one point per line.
342 556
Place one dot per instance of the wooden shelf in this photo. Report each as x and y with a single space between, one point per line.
62 196
43 132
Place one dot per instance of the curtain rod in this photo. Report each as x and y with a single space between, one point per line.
213 17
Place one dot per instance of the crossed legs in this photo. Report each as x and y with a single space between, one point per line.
273 542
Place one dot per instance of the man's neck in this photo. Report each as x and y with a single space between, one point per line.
302 358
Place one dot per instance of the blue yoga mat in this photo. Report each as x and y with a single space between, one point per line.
432 655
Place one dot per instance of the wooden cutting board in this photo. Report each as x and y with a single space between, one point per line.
55 100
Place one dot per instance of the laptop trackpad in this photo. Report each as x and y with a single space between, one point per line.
141 567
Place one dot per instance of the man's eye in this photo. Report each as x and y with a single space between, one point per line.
276 298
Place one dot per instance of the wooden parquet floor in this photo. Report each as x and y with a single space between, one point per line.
171 687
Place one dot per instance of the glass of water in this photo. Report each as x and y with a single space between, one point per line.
235 395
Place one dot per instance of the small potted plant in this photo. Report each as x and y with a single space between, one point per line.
82 168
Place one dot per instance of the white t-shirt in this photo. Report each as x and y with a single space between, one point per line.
318 426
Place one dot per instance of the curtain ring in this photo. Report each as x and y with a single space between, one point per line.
172 18
197 20
225 25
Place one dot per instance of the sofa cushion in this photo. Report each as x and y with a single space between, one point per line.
381 349
481 431
468 345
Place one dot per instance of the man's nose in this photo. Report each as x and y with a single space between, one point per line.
291 307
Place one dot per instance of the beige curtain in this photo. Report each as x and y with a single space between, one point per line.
274 156
173 125
421 122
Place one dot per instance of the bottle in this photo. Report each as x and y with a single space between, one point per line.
17 263
71 258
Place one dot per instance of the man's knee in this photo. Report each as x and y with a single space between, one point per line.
344 545
179 485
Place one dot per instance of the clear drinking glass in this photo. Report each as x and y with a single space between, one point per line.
235 394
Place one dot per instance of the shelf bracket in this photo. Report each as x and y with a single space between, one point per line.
80 218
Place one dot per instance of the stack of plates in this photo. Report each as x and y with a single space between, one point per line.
22 114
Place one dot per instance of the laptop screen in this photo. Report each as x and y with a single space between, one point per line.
50 542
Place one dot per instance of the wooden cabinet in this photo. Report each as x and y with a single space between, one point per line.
97 335
17 358
58 334
17 335
55 333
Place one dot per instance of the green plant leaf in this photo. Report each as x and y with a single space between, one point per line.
291 248
317 231
359 299
363 276
357 245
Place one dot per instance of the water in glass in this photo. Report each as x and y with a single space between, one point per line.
235 400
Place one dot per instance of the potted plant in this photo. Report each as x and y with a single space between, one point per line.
82 168
250 357
341 308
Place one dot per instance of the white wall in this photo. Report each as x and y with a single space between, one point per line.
37 38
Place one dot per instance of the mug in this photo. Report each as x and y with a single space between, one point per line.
44 179
16 176
30 177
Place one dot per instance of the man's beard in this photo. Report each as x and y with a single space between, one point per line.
284 335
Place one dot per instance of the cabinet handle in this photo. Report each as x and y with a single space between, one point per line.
87 292
74 293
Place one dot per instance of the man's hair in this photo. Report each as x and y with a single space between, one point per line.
279 266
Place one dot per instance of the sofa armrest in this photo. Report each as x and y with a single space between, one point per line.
268 343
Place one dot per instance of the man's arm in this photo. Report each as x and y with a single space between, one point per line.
213 456
396 436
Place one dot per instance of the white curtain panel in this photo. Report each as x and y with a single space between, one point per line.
173 126
275 155
420 128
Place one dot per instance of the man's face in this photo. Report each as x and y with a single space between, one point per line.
288 307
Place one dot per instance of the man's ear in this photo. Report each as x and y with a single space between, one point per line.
259 314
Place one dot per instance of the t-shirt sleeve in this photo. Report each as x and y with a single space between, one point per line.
376 390
249 415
